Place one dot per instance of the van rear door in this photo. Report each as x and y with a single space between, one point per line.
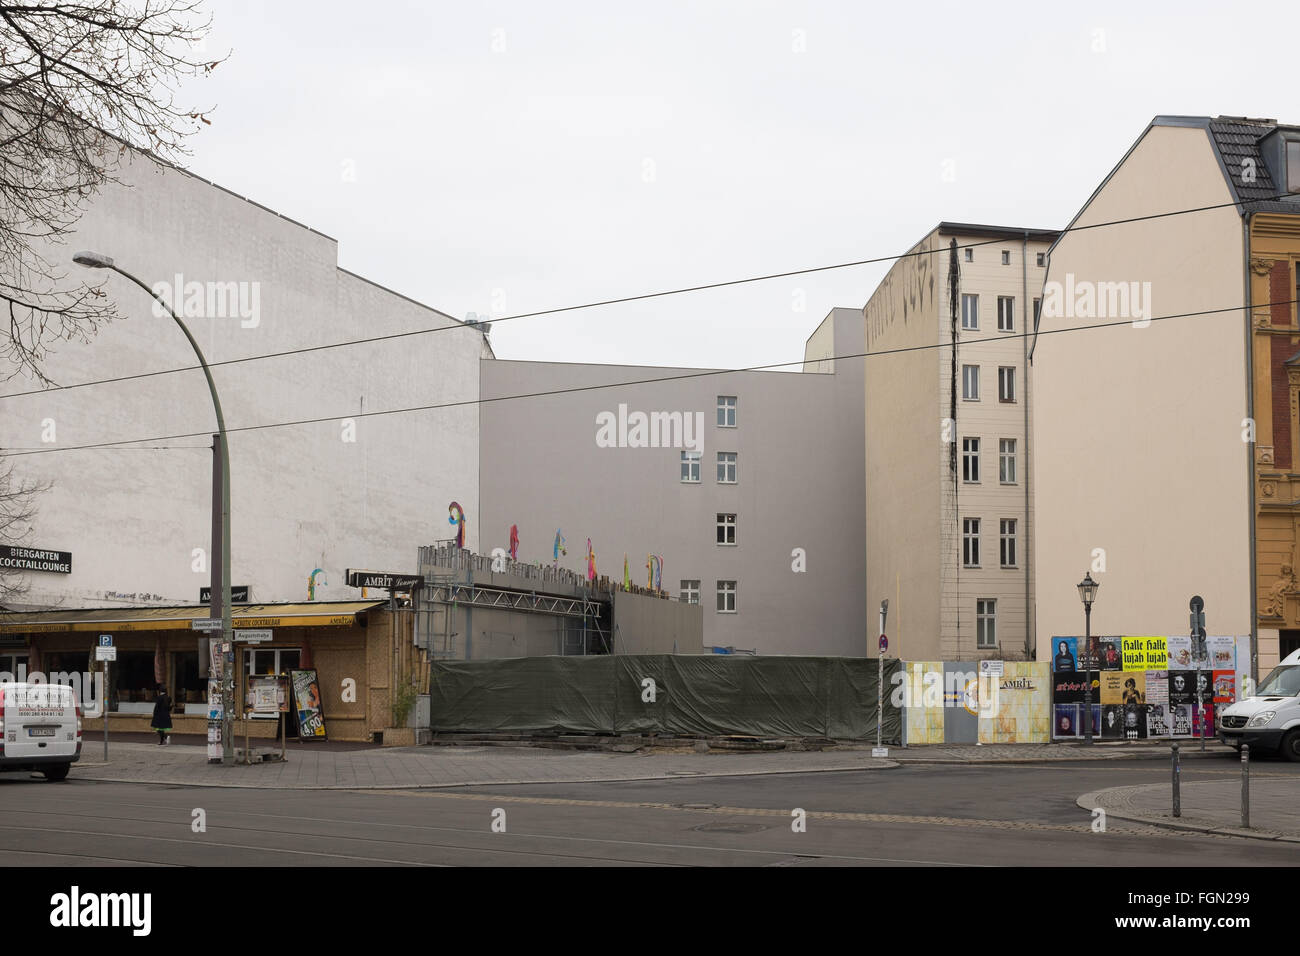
40 721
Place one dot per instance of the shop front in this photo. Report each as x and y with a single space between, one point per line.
346 645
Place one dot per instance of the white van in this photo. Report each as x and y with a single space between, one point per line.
1270 719
40 728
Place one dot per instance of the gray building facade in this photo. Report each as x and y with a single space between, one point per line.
747 486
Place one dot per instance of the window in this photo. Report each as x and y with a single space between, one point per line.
1006 257
986 623
1006 384
1007 461
726 597
970 383
1007 533
970 254
726 529
691 466
726 467
970 542
1042 258
1038 310
1006 313
690 592
970 459
1293 167
970 312
726 411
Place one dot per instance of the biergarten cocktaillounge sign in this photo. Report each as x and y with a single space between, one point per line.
14 558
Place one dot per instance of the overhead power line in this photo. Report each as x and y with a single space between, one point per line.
701 373
606 302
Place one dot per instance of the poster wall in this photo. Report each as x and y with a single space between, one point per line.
1145 686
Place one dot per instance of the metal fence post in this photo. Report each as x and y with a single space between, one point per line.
1178 800
1245 786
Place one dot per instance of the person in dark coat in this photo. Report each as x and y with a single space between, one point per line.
162 716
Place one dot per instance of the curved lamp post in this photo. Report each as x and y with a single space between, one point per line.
94 260
1087 593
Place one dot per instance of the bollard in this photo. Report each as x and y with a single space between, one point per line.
1245 786
1178 800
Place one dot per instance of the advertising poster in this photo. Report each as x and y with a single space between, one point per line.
1157 687
1222 651
1065 654
1145 653
1134 689
1135 721
1112 721
1112 688
214 742
1182 687
1180 653
307 704
1157 720
1111 653
1182 715
1225 686
1023 705
1065 720
1069 688
1206 721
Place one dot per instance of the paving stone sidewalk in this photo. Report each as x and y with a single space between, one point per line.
464 766
1209 807
420 767
1043 753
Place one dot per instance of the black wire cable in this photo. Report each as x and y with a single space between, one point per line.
701 373
605 302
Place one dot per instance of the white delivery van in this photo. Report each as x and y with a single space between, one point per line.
40 728
1270 720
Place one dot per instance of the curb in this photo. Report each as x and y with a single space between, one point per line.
1091 801
878 764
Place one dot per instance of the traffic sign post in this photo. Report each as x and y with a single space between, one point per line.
105 652
1199 650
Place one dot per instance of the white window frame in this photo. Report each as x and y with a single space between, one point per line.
1006 313
970 376
725 590
970 318
1007 384
970 460
727 410
1042 259
1007 542
1007 461
970 254
690 467
689 592
986 622
726 525
1006 257
970 542
727 462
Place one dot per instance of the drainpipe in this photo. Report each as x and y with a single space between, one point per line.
1031 646
1250 449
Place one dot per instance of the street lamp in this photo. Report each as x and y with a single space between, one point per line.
220 506
1087 593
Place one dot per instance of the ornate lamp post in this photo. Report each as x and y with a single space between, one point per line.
1087 593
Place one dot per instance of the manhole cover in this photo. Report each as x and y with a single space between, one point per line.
730 827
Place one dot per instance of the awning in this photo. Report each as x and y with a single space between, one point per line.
122 619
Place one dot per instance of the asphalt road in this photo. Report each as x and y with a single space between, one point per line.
913 815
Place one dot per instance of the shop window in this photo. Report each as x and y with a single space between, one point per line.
134 687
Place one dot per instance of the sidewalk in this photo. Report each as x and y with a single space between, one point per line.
369 767
1211 807
427 767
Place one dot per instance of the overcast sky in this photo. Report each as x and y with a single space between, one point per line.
506 157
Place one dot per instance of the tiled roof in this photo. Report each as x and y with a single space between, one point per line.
1236 140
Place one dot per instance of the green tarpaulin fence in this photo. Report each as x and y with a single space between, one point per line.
706 695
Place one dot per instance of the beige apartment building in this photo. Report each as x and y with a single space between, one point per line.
949 501
1165 426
